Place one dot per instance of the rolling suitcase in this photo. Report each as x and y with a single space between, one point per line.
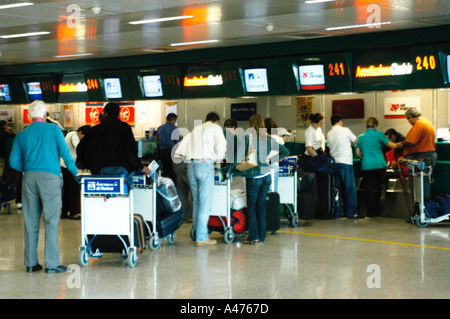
273 211
113 244
140 233
168 223
326 206
306 205
309 184
7 192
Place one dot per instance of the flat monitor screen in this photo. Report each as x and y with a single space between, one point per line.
312 77
112 88
5 95
34 91
256 80
448 68
152 85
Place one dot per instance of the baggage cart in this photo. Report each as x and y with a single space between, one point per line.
418 169
106 209
221 207
145 197
287 188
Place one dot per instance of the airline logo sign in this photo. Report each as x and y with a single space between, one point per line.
396 107
92 113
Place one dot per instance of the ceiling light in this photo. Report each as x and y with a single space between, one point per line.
318 1
160 20
358 26
72 55
19 35
16 5
194 42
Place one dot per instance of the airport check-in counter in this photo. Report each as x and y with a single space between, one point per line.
395 204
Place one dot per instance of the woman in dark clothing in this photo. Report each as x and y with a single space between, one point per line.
258 179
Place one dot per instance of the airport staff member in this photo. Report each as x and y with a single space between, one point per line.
420 142
36 152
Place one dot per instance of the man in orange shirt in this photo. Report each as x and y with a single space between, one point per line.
420 142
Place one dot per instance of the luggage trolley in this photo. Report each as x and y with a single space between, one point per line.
418 168
221 207
145 198
287 188
106 209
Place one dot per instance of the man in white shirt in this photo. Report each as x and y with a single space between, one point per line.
340 141
202 149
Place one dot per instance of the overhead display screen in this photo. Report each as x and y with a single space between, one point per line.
34 91
5 95
312 77
256 80
73 88
448 68
152 86
112 88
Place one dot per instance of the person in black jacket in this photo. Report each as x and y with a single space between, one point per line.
110 143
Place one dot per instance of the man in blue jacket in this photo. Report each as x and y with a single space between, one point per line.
36 152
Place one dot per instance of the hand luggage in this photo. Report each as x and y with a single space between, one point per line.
7 192
113 244
167 196
238 222
273 211
326 206
140 233
167 223
309 184
306 205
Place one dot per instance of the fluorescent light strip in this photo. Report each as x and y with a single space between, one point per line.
194 42
16 5
20 35
160 20
318 1
72 55
358 26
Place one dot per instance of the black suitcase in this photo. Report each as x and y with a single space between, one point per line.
309 184
306 205
168 223
113 244
273 211
326 205
7 192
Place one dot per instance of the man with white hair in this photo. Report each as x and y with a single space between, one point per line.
36 152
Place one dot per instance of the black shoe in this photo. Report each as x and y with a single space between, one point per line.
34 268
357 216
59 268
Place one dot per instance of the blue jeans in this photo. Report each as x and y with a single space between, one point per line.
257 189
201 179
345 182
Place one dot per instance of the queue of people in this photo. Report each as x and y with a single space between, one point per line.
43 155
376 151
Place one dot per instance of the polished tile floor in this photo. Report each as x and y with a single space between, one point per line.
371 258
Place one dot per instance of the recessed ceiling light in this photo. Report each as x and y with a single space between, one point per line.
160 20
192 43
16 5
358 26
72 55
20 35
